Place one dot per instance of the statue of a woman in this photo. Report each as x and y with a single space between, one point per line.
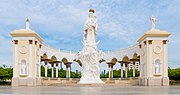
90 29
23 67
90 56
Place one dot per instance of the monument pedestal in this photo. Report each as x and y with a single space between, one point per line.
143 81
90 81
153 81
15 81
38 81
26 81
30 81
165 81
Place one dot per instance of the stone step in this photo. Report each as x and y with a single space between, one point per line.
74 82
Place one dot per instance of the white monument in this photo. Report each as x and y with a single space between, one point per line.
90 55
151 52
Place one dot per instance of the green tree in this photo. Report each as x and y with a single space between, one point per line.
174 74
4 66
42 71
62 73
116 73
75 75
6 73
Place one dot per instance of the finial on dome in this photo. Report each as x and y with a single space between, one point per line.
27 23
92 10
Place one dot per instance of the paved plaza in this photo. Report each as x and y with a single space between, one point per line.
91 90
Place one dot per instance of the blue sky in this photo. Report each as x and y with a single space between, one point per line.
60 23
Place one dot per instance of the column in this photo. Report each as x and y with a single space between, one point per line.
121 70
39 72
140 68
165 58
109 71
35 59
126 70
112 71
46 63
124 66
80 70
52 72
140 60
150 57
165 80
133 69
40 62
15 58
67 71
145 60
57 70
30 57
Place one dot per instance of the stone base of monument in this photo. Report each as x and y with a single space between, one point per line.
26 81
74 82
30 82
90 81
15 81
143 81
165 81
38 81
154 81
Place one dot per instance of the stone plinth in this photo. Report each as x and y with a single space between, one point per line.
26 81
165 81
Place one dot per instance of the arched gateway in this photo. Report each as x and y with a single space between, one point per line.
151 52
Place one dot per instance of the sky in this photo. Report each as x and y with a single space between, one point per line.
60 23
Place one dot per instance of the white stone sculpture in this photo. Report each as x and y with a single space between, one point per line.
157 67
27 23
23 67
153 21
90 55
